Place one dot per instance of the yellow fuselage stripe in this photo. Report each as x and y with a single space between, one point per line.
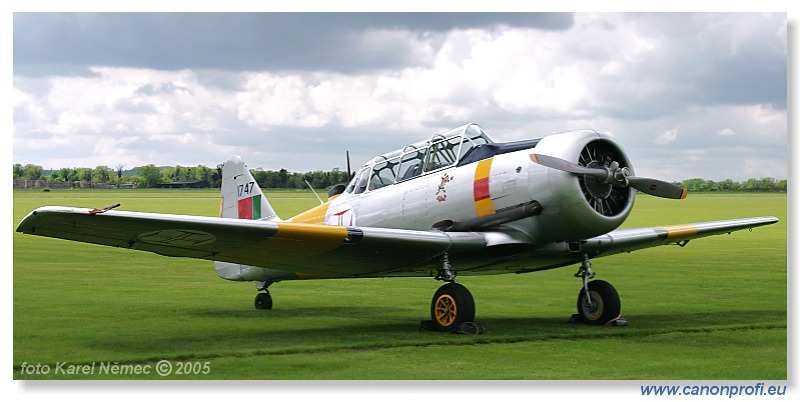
314 215
483 200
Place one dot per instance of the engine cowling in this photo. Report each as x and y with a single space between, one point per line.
577 207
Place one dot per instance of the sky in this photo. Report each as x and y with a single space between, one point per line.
686 94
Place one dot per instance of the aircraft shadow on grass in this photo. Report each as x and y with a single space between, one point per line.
274 338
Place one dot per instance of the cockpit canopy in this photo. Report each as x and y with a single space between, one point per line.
441 151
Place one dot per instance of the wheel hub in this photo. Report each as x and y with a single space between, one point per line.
593 306
446 310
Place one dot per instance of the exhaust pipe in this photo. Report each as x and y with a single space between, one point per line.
502 216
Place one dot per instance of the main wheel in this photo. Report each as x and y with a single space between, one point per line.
604 307
263 301
452 306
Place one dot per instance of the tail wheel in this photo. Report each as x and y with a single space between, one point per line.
603 305
263 301
452 306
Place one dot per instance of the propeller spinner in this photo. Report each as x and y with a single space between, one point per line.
613 175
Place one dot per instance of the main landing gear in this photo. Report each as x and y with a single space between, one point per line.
598 301
452 304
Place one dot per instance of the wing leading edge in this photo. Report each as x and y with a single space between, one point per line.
627 240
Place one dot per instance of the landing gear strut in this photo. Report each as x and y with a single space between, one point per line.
452 304
598 301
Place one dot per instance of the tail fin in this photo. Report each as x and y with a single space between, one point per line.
241 196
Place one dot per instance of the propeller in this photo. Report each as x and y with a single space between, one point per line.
614 175
349 172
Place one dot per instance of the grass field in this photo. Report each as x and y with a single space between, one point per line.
716 309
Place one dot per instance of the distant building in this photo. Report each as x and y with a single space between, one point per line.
184 184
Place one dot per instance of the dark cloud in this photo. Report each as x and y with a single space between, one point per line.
65 43
699 59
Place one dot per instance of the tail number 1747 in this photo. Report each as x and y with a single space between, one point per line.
246 188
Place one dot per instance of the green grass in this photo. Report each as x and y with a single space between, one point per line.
715 309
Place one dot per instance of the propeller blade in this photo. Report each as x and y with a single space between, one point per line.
567 166
349 173
646 185
657 188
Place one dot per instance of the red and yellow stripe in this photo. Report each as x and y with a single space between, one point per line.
480 188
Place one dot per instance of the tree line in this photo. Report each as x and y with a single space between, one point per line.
150 176
764 184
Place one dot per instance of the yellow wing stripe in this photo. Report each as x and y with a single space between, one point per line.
679 230
325 237
296 240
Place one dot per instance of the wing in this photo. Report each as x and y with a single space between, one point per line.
336 251
627 240
293 247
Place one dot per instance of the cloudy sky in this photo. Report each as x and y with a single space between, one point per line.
686 94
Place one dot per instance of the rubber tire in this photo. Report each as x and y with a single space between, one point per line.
608 298
263 301
448 296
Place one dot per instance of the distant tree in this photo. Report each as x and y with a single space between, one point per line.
750 185
295 180
179 173
726 185
18 171
149 176
696 184
273 179
202 173
32 172
319 179
83 174
168 174
260 176
283 177
119 168
101 174
767 184
216 177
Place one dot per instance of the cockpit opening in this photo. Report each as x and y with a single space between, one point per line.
441 151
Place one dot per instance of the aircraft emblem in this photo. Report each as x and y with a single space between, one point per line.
441 192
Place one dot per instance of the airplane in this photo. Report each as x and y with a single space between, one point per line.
458 203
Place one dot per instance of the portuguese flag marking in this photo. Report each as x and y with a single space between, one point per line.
250 208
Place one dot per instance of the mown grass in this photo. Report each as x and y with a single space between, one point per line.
715 309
